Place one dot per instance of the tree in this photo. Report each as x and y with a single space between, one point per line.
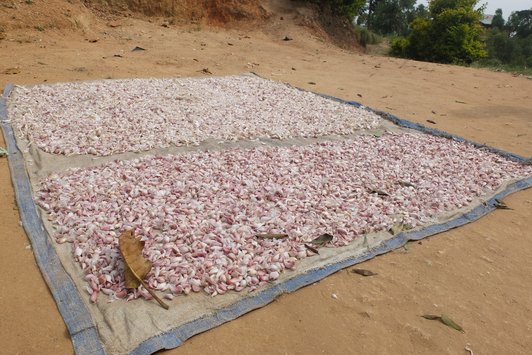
512 44
498 20
436 7
503 48
420 11
451 34
392 16
349 8
520 23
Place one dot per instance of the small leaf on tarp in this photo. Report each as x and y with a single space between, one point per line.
272 236
501 205
405 183
312 249
3 152
378 192
364 272
322 239
445 320
136 265
398 228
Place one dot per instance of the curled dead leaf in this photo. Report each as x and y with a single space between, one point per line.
136 265
445 320
272 236
398 228
322 239
312 249
501 205
378 192
364 272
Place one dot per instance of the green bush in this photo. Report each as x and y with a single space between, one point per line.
450 35
365 36
399 47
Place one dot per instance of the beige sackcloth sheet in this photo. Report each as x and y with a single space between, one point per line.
124 325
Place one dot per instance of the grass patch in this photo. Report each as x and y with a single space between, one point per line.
496 65
365 36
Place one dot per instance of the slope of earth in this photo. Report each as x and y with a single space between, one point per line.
477 274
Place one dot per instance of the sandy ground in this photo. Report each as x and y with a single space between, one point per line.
478 274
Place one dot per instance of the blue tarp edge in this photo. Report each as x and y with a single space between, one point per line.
77 318
177 336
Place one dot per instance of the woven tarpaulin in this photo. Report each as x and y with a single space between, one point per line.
86 329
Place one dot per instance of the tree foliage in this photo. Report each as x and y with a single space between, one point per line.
520 23
349 8
498 20
393 16
511 45
451 34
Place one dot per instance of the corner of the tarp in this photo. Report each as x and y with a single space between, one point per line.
7 90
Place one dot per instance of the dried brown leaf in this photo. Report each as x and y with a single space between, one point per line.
450 323
12 71
312 249
501 205
378 192
445 320
136 265
398 228
364 272
131 249
322 239
272 236
405 183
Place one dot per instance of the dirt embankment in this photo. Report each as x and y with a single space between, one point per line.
216 12
272 17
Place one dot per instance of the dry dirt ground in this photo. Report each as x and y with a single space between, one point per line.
479 274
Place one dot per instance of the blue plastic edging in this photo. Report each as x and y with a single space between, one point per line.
77 318
433 131
84 334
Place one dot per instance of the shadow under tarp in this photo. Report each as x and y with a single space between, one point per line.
91 326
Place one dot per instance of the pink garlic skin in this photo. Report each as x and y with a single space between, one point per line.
117 116
199 212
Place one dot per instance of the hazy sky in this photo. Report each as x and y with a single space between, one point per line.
507 6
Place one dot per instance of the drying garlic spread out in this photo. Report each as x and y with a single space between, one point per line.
117 116
200 213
